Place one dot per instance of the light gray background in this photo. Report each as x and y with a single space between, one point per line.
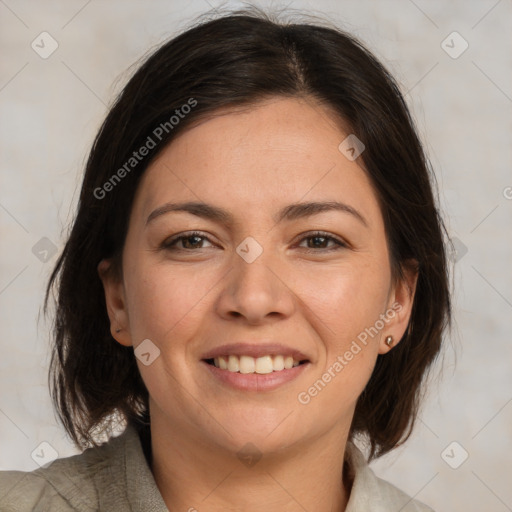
51 109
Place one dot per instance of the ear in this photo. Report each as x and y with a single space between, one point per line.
116 303
401 299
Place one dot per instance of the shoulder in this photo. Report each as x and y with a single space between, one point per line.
73 483
393 495
370 492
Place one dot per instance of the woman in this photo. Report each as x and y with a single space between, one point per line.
255 278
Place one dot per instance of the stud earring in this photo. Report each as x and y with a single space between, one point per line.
118 330
389 341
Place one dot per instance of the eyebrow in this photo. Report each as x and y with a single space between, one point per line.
288 213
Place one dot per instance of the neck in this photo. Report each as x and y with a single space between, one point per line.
192 475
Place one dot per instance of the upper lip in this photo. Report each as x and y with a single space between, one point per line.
255 350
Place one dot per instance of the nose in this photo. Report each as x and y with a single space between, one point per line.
257 290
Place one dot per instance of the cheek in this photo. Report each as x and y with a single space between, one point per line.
345 299
342 307
167 306
163 301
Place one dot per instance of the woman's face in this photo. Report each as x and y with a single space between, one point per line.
257 275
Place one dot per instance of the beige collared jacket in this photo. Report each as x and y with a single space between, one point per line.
116 477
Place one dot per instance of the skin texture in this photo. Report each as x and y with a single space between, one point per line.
202 294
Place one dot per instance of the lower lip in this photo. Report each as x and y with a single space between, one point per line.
256 381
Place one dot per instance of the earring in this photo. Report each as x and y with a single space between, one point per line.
118 330
389 341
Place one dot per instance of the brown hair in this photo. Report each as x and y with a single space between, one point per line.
233 60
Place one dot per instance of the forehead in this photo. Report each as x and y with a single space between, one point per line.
280 150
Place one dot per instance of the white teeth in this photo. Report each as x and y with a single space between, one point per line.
247 364
278 363
260 365
264 365
233 364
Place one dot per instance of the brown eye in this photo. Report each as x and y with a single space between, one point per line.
320 241
189 241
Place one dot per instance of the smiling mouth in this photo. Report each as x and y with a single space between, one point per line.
259 365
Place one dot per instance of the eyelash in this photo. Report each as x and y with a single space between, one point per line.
169 244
